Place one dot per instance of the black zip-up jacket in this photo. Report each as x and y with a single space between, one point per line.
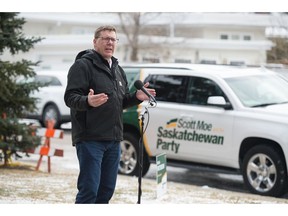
103 123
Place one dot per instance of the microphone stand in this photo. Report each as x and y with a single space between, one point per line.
140 158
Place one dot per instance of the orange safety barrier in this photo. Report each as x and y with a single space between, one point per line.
45 149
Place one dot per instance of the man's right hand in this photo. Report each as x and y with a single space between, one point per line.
97 99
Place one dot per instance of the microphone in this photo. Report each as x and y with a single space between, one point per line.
140 86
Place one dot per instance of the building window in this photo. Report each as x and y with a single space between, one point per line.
247 37
151 60
235 37
224 37
183 61
207 61
237 63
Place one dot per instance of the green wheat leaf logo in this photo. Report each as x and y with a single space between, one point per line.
172 123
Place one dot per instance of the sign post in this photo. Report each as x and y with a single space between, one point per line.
161 176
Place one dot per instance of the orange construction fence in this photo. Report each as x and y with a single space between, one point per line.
45 149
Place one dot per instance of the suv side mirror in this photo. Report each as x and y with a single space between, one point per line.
219 101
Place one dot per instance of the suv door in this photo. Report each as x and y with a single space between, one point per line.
171 94
184 125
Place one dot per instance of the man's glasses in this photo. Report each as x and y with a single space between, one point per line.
107 39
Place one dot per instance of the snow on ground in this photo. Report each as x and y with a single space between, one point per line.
56 191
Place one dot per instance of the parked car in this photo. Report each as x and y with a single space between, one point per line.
51 98
228 117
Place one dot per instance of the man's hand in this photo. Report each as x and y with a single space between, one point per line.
97 99
142 96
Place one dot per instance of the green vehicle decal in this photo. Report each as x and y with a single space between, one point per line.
194 131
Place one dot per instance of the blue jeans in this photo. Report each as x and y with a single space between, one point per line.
98 163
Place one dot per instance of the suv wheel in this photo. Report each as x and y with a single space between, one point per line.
264 171
51 112
129 157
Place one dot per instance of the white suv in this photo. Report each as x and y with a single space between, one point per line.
218 116
50 102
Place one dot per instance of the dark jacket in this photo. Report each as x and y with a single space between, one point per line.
103 123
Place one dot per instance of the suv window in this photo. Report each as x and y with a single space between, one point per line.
169 88
201 88
184 89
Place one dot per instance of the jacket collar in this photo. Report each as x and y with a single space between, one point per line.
97 59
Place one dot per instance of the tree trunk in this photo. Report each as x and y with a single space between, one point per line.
134 55
6 157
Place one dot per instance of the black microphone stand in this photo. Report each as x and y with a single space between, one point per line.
140 158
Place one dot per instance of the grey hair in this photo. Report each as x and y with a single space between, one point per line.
103 28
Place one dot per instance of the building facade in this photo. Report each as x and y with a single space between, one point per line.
217 38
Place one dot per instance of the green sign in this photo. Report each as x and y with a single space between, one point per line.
161 176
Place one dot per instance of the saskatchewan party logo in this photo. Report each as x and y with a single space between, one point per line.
172 123
181 129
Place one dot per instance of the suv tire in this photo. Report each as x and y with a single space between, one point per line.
264 171
129 156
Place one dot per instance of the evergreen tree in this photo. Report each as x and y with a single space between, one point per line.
14 95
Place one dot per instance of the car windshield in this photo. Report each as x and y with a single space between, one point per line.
48 80
260 90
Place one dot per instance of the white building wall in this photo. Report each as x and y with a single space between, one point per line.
226 57
194 38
